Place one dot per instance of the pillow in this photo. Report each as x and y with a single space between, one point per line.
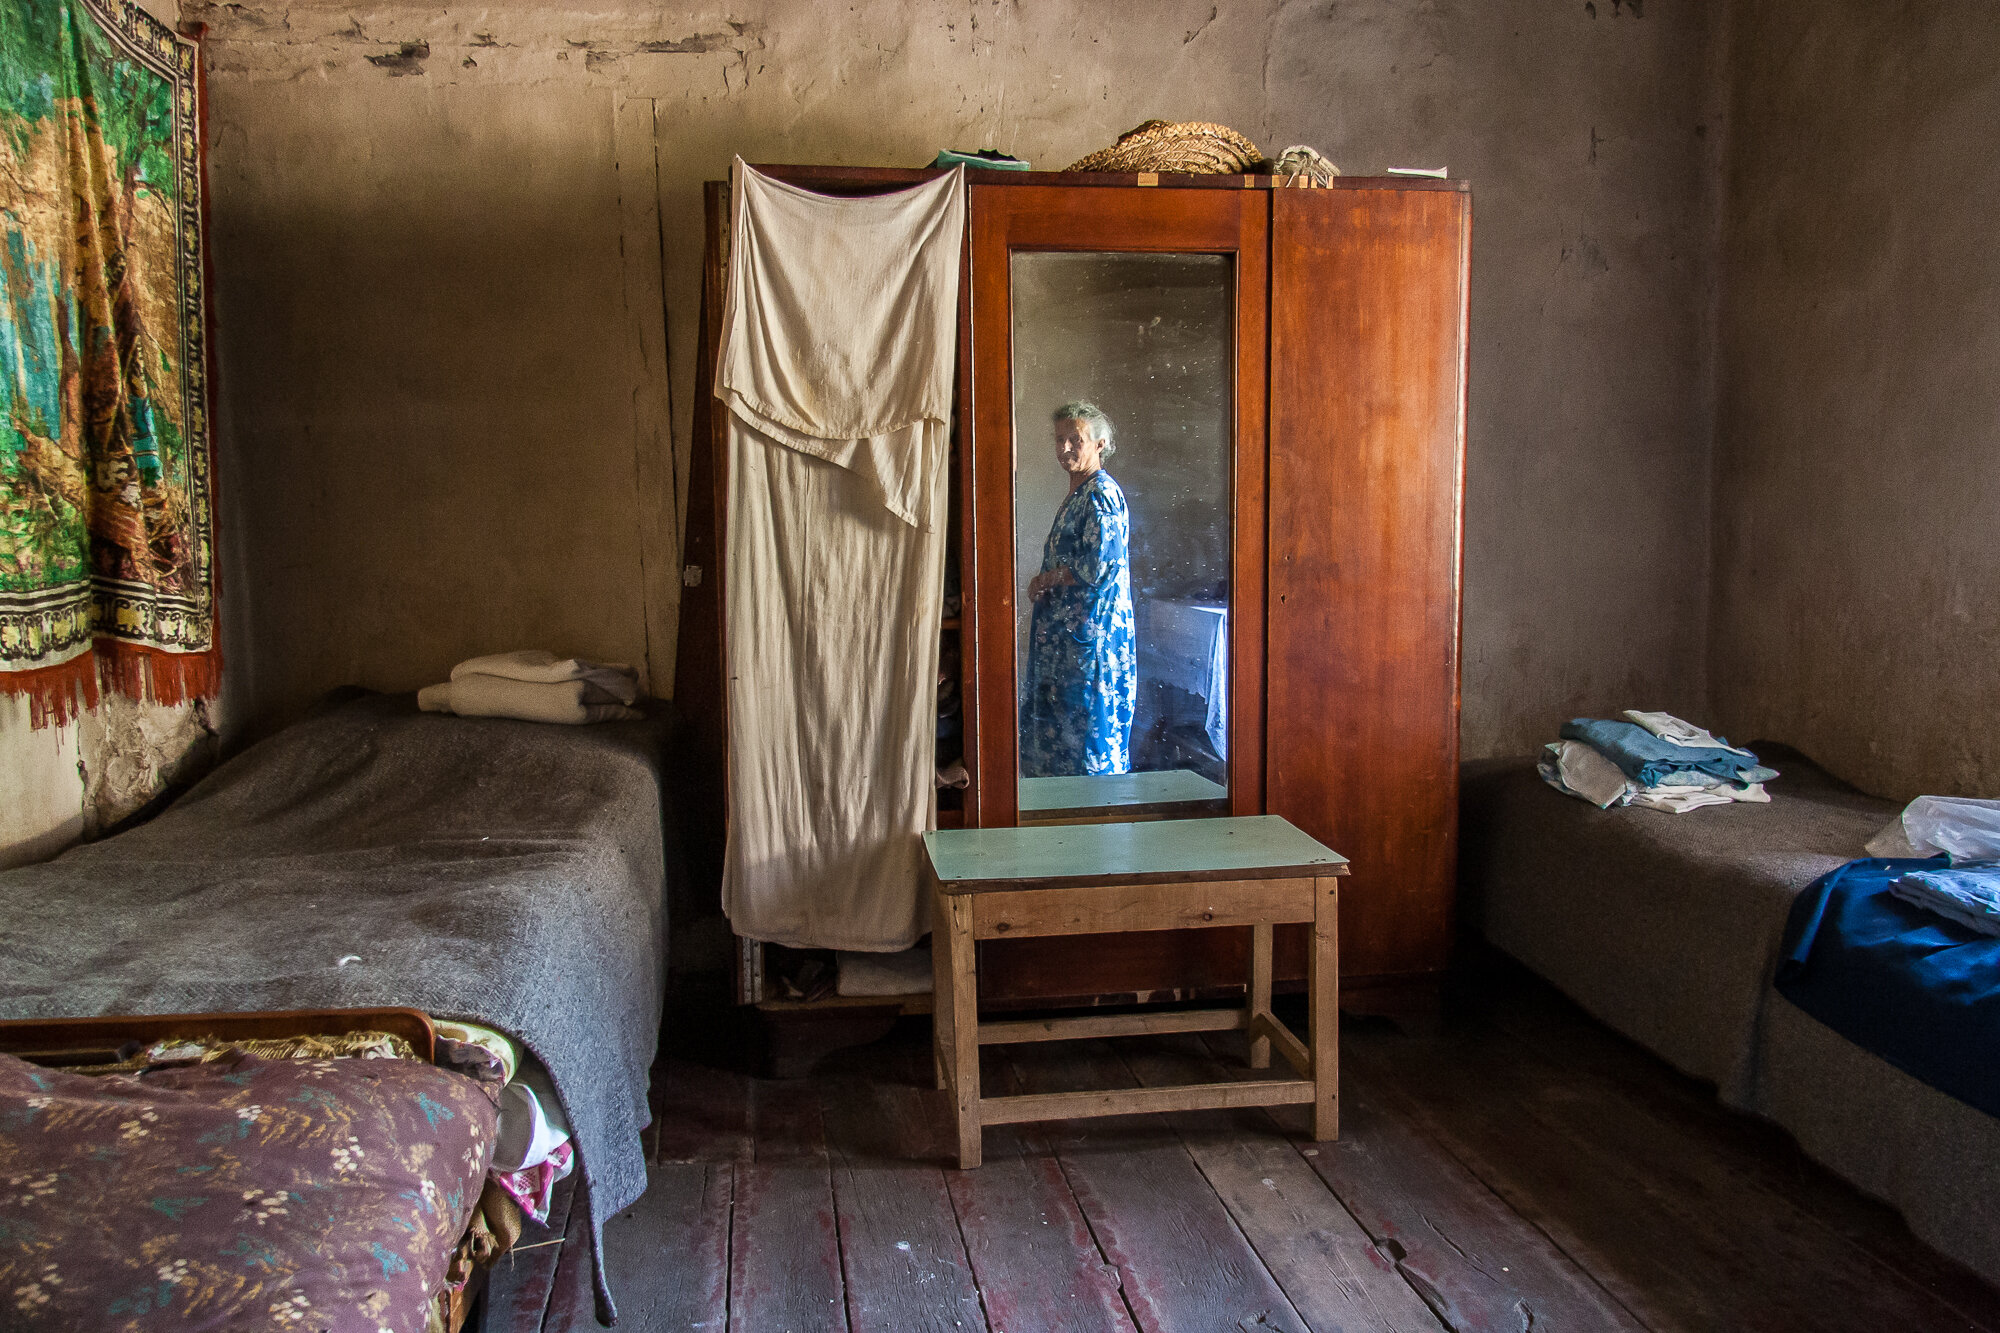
284 1194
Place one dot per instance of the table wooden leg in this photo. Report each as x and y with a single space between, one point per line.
1260 991
941 1043
1323 992
955 922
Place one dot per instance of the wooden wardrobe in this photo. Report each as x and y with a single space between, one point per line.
1348 355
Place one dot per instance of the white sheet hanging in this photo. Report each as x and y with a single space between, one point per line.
840 327
836 361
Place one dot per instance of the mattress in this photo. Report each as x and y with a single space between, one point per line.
1666 926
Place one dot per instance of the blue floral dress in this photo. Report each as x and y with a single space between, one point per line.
1076 712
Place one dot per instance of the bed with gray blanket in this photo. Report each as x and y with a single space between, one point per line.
1668 928
505 873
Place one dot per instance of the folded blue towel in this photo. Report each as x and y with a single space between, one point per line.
1646 759
1969 897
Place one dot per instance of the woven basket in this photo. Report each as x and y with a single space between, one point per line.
1193 147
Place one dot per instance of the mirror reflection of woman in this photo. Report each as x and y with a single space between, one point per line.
1076 715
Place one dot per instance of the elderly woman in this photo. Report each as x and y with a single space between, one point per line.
1076 714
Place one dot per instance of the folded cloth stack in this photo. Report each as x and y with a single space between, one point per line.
536 686
1969 895
1653 760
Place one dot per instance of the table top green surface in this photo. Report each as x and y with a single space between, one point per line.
1238 847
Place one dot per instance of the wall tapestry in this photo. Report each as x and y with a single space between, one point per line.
106 521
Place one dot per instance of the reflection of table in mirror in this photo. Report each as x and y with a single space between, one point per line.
1171 792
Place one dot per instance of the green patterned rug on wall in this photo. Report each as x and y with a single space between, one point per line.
106 520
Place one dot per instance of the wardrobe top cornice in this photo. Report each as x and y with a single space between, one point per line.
860 180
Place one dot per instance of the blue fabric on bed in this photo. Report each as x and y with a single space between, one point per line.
1916 989
1646 759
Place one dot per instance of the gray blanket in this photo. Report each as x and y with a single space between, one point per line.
508 873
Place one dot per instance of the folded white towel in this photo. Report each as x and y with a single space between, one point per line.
1576 769
491 696
1670 728
615 681
1679 800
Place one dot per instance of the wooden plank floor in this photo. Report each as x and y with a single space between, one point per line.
1513 1165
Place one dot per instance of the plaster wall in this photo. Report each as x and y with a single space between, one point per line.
41 791
440 416
1858 442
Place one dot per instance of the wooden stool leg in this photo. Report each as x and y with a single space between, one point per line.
956 925
1323 991
1260 991
941 1043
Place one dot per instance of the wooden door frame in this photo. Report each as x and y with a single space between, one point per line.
1137 220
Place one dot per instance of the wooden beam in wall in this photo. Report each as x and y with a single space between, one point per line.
654 475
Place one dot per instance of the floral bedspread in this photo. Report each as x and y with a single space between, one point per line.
301 1195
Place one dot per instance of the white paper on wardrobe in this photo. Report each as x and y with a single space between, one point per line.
837 357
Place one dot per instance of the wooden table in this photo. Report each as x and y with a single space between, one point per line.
1086 879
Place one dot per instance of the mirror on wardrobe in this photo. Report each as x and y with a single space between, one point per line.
1123 450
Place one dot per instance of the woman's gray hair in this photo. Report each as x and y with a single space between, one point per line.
1091 415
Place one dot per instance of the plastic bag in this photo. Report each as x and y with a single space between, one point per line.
1965 827
1893 844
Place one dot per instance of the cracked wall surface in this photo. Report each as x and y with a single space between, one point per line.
75 781
443 431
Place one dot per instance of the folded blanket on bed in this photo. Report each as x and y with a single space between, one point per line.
1575 769
614 681
1967 896
573 702
1647 759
